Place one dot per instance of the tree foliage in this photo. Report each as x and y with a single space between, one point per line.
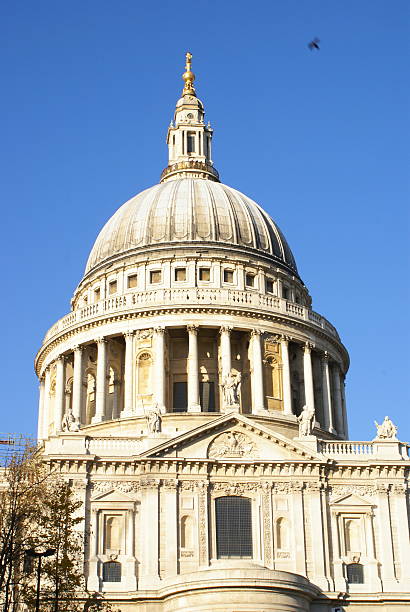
39 511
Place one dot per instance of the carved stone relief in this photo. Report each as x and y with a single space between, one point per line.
234 444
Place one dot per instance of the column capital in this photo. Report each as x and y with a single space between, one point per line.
325 357
308 346
285 339
192 329
257 332
225 329
77 348
101 340
129 334
159 329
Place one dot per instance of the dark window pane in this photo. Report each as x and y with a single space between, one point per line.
355 574
204 274
180 397
207 396
233 527
191 142
112 571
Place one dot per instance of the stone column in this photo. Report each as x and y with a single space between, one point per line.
337 395
345 424
298 529
60 388
93 581
338 575
403 536
371 565
327 393
386 541
193 370
287 391
128 375
46 406
149 576
267 527
40 426
160 390
171 526
101 390
316 512
258 396
225 352
308 375
77 382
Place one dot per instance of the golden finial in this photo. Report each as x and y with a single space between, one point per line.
188 77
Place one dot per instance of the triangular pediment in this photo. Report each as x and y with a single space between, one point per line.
233 437
351 499
112 495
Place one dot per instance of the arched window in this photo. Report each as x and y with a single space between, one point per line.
282 534
144 374
112 571
233 527
113 534
355 573
186 532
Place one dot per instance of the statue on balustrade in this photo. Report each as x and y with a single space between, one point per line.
70 422
387 430
154 420
232 388
306 421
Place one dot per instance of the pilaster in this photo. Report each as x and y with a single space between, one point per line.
258 396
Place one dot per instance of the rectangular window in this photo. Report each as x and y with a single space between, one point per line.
180 397
228 276
112 571
97 294
233 527
155 276
191 142
204 274
112 287
180 274
269 286
285 292
207 396
132 281
250 280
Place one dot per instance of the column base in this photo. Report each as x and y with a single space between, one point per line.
261 410
97 419
194 408
232 408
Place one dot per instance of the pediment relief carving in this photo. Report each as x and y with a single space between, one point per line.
113 490
233 436
351 496
232 444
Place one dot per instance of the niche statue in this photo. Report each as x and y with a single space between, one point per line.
69 422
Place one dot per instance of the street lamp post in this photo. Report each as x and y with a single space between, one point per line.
39 555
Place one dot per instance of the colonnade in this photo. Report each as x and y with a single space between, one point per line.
331 384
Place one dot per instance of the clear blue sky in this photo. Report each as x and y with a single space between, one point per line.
319 139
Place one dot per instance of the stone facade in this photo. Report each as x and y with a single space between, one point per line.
196 402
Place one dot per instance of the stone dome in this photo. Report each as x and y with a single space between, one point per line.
190 212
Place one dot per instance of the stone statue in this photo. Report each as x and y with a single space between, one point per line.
306 420
232 388
69 422
154 420
387 430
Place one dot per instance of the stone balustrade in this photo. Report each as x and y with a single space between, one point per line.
347 448
131 301
113 446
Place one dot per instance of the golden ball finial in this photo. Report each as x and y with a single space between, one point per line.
188 76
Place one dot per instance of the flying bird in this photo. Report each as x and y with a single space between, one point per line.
314 44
